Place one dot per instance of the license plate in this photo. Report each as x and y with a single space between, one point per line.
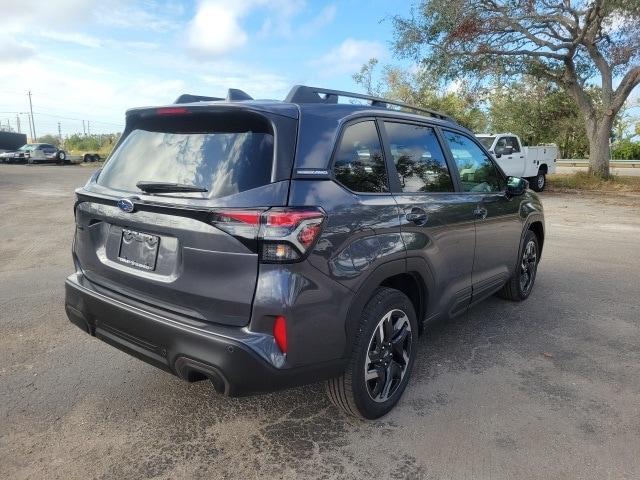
139 249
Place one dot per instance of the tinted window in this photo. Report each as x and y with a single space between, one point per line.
194 152
359 164
418 158
477 171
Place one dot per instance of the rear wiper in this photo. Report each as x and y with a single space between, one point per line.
163 187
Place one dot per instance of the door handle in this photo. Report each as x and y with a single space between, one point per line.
480 212
417 216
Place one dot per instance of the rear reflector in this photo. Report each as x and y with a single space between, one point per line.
280 333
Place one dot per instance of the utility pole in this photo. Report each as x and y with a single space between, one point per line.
33 123
84 130
88 127
30 128
59 132
18 122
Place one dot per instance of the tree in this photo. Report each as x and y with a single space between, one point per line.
539 112
51 139
419 88
572 43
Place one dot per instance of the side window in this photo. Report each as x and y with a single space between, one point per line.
513 143
477 171
418 158
359 164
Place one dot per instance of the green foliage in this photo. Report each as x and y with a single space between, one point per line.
102 143
53 140
422 90
539 112
626 150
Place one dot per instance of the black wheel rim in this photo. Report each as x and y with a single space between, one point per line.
388 355
528 266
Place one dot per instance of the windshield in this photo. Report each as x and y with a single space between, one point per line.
486 141
220 162
27 148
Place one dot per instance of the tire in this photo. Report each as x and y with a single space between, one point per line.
97 157
388 316
62 156
515 290
538 182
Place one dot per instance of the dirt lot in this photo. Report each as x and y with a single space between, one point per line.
549 388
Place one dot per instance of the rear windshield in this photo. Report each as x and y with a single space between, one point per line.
222 155
486 141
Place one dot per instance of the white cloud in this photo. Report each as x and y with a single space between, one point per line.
71 37
324 18
12 52
215 29
348 57
150 15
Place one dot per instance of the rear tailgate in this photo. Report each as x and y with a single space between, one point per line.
166 252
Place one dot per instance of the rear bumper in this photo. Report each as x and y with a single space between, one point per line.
231 357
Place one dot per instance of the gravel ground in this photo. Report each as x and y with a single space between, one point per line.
548 388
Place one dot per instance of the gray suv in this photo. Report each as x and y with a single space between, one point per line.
266 244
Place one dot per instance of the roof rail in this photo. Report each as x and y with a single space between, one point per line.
305 94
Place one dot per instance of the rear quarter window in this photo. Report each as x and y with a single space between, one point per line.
223 155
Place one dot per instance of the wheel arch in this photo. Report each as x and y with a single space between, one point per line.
537 227
411 276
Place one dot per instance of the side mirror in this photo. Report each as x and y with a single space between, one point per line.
516 186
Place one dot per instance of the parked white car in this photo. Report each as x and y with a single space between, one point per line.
532 163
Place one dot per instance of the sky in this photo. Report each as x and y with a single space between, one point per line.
93 59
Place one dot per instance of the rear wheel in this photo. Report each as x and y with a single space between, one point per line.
519 286
382 358
539 181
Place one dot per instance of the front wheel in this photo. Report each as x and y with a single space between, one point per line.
382 357
539 182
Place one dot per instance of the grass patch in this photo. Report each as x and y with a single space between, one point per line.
584 181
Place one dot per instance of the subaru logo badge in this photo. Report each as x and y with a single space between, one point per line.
125 205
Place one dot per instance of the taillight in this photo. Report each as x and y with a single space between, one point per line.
280 333
279 234
289 233
172 111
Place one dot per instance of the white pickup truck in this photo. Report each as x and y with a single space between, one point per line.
532 163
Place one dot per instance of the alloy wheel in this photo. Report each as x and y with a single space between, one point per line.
528 266
388 355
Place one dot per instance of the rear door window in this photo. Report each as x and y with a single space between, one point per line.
359 163
418 158
224 157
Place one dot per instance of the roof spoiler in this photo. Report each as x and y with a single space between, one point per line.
233 95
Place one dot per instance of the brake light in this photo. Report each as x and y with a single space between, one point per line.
279 234
280 333
172 111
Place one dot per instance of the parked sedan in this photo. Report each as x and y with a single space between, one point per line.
35 153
